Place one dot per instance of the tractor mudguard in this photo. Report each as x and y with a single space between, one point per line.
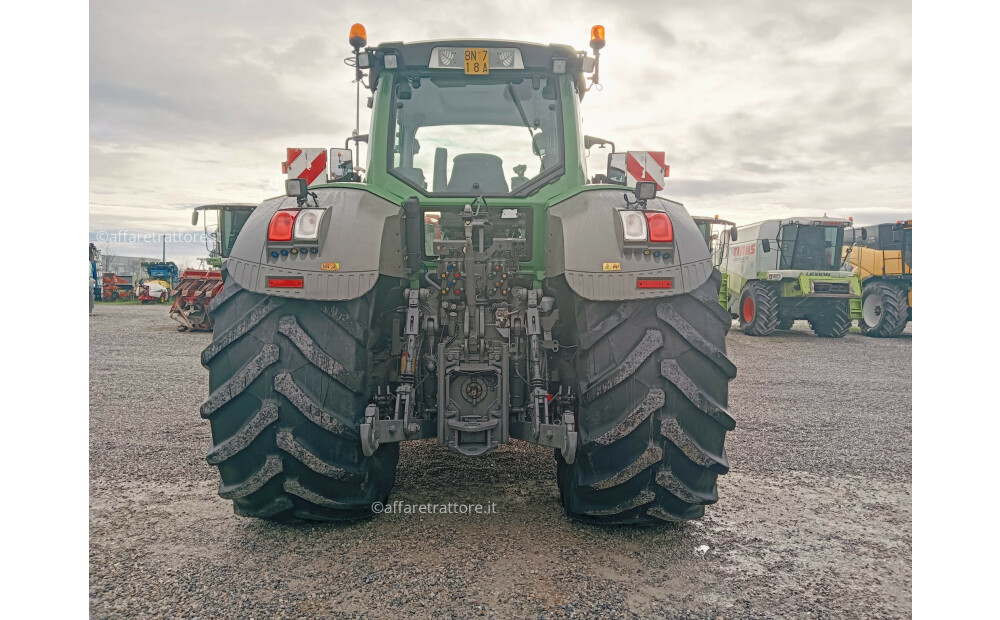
585 244
359 238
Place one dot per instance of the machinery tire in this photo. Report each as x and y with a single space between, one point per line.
758 311
653 381
834 321
288 389
887 307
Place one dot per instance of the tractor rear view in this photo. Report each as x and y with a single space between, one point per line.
197 288
778 271
882 256
473 288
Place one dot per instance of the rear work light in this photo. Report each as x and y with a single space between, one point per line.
284 282
280 228
661 230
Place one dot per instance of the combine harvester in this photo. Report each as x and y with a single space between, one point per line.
882 256
198 287
162 278
778 271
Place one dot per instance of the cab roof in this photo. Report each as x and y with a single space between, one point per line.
822 220
528 56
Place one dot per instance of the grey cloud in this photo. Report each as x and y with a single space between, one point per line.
759 104
698 188
873 146
660 34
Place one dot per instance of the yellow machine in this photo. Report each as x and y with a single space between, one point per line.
882 256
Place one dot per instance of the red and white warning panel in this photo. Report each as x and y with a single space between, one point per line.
635 166
308 164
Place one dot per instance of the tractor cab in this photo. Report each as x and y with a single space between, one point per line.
471 118
710 228
222 227
811 246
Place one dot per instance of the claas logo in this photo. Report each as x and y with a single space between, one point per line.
745 250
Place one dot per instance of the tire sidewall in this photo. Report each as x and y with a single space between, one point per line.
748 295
870 291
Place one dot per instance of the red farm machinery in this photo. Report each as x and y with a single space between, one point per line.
198 287
116 288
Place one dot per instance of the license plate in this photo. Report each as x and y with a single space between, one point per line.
477 61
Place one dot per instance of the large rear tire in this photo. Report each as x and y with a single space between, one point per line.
288 383
653 381
833 321
758 311
884 310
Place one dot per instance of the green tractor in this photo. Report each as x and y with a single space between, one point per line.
472 288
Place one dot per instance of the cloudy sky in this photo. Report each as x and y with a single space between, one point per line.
765 108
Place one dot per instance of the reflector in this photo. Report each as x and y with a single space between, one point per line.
664 283
284 282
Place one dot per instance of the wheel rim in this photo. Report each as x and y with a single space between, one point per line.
748 309
871 310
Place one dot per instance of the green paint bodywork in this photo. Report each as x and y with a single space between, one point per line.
797 287
800 287
724 291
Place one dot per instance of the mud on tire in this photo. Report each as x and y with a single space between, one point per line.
288 381
653 381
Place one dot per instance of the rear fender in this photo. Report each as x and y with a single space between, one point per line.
359 238
585 245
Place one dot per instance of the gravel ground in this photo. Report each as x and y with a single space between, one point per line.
814 520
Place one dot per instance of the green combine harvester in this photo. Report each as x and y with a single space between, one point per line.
778 271
472 288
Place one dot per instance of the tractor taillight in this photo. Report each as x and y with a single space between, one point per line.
661 230
282 223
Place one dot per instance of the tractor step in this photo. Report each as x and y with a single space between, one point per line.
855 308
